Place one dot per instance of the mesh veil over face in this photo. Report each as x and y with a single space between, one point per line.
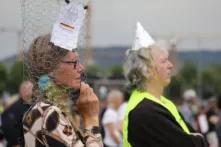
43 57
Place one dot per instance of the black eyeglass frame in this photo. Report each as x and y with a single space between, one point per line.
76 62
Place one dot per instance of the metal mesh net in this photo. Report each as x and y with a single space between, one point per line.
38 17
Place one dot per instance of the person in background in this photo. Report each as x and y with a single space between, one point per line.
201 120
103 107
188 109
123 108
12 117
218 127
110 119
213 120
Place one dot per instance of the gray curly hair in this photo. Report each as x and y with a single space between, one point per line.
42 58
138 63
136 67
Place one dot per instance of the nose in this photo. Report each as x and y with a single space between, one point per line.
170 65
80 68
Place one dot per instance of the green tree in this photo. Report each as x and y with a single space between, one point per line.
185 78
16 76
116 71
188 75
211 80
93 70
3 78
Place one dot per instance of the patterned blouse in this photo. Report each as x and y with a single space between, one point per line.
45 125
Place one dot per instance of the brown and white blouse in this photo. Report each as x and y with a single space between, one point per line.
45 125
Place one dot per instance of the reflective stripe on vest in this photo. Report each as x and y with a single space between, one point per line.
136 98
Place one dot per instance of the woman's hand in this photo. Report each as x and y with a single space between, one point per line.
88 106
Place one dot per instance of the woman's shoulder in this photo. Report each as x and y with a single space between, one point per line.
39 110
48 119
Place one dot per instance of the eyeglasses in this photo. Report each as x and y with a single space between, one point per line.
75 63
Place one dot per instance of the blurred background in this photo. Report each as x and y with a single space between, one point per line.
191 29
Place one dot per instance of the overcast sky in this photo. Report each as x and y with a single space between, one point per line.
196 23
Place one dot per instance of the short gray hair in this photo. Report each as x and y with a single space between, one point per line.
136 67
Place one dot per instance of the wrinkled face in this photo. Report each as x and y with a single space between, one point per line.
68 72
162 67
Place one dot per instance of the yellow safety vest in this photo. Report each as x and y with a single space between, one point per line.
136 98
1 109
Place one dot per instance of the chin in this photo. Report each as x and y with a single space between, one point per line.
167 82
76 86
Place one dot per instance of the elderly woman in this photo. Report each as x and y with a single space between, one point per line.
151 119
56 72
